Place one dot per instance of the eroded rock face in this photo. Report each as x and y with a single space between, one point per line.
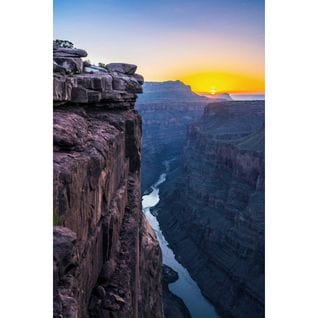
97 196
67 60
212 207
108 90
115 86
167 108
107 261
129 69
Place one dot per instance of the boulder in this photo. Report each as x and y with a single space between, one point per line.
64 253
169 275
70 64
127 83
124 68
93 96
103 83
59 69
139 78
68 52
118 96
62 87
99 82
79 95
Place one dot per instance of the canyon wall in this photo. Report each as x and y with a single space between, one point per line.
212 207
167 108
107 260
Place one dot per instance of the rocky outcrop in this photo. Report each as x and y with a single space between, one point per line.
167 108
114 86
107 261
174 306
67 60
212 207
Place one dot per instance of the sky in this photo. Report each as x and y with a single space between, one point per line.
213 45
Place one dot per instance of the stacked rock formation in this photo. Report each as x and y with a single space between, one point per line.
115 86
107 260
67 60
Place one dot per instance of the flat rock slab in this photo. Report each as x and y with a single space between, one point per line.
124 68
68 52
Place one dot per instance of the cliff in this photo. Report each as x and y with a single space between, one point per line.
167 108
107 260
212 207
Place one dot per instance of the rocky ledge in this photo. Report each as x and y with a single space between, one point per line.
114 85
107 260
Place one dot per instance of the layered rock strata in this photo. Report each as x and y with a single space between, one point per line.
212 207
167 108
107 260
169 91
114 86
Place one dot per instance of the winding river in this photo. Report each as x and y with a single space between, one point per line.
185 287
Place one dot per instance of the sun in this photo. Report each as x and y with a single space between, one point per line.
213 91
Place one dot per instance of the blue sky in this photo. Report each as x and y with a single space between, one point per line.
167 38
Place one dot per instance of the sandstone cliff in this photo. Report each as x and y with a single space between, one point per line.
212 207
107 261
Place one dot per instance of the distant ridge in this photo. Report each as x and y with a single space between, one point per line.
248 96
217 97
169 91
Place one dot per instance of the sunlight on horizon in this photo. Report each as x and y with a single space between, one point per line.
223 82
220 47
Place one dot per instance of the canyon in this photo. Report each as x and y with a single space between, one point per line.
211 208
120 250
167 108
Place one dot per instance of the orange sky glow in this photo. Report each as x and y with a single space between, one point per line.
216 49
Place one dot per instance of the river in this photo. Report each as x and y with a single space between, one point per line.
185 287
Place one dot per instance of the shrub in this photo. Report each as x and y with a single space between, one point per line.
65 44
57 220
87 63
102 65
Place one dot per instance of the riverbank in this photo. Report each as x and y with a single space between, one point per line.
185 287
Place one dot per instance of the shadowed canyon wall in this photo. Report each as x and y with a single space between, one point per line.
107 260
167 108
211 208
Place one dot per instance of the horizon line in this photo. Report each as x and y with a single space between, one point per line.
232 92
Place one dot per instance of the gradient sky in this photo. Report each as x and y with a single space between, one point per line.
212 45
